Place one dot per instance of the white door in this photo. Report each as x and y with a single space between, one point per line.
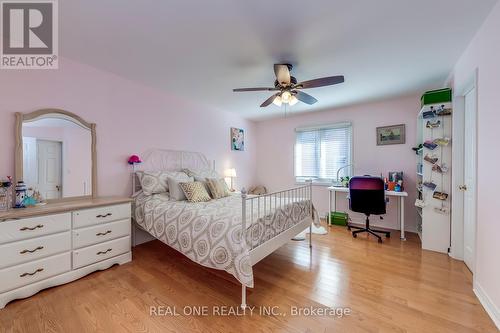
49 169
469 186
30 162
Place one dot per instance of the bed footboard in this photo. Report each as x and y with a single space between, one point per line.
255 207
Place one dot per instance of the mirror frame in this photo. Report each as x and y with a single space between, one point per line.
39 114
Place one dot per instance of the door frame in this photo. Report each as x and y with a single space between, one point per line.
458 172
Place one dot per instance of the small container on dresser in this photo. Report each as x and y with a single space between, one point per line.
57 243
5 195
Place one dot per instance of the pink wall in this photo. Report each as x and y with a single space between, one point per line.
130 118
276 139
483 53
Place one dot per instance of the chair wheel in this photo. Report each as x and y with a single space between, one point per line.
354 235
380 240
388 235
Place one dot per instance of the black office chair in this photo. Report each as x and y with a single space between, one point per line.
367 196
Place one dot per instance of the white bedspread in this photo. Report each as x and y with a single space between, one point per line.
209 233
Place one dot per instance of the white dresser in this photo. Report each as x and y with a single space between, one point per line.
49 245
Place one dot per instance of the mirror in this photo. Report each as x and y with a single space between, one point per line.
55 154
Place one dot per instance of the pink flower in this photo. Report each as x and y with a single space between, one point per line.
134 159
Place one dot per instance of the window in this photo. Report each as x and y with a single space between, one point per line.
321 151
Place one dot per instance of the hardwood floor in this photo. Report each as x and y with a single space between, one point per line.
389 287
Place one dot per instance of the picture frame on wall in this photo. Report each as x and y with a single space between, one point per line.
391 135
237 139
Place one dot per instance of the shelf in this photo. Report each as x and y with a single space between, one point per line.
436 225
448 105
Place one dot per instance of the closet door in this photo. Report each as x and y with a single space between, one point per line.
469 186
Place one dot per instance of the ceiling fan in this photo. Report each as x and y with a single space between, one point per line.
289 91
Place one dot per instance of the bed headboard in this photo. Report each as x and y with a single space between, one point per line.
170 160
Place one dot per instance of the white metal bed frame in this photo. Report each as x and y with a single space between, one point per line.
172 160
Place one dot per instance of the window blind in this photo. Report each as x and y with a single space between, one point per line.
321 151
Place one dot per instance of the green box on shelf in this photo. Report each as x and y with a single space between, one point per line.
339 218
436 96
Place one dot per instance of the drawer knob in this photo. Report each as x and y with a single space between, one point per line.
104 252
105 215
103 233
31 251
39 226
30 274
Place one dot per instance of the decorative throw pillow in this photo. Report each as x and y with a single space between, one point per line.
218 187
202 180
195 192
154 182
175 189
201 173
188 172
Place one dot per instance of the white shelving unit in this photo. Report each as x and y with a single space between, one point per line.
434 219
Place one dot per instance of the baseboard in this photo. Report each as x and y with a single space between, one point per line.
382 226
487 304
374 223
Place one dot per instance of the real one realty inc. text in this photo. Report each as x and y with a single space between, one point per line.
225 310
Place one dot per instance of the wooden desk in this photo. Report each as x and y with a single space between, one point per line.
332 192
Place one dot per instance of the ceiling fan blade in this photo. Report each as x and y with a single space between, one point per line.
268 101
306 98
321 82
282 74
254 89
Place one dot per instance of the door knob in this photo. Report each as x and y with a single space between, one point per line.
462 187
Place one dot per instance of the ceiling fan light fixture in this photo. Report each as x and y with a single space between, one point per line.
287 90
277 101
286 96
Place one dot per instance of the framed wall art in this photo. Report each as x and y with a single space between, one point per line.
237 139
391 135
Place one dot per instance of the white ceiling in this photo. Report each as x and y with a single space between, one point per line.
202 49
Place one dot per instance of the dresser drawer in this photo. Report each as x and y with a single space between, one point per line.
21 275
100 233
87 217
14 230
96 253
35 248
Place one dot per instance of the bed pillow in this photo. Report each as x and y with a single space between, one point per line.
218 187
202 173
195 192
176 192
154 182
202 180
